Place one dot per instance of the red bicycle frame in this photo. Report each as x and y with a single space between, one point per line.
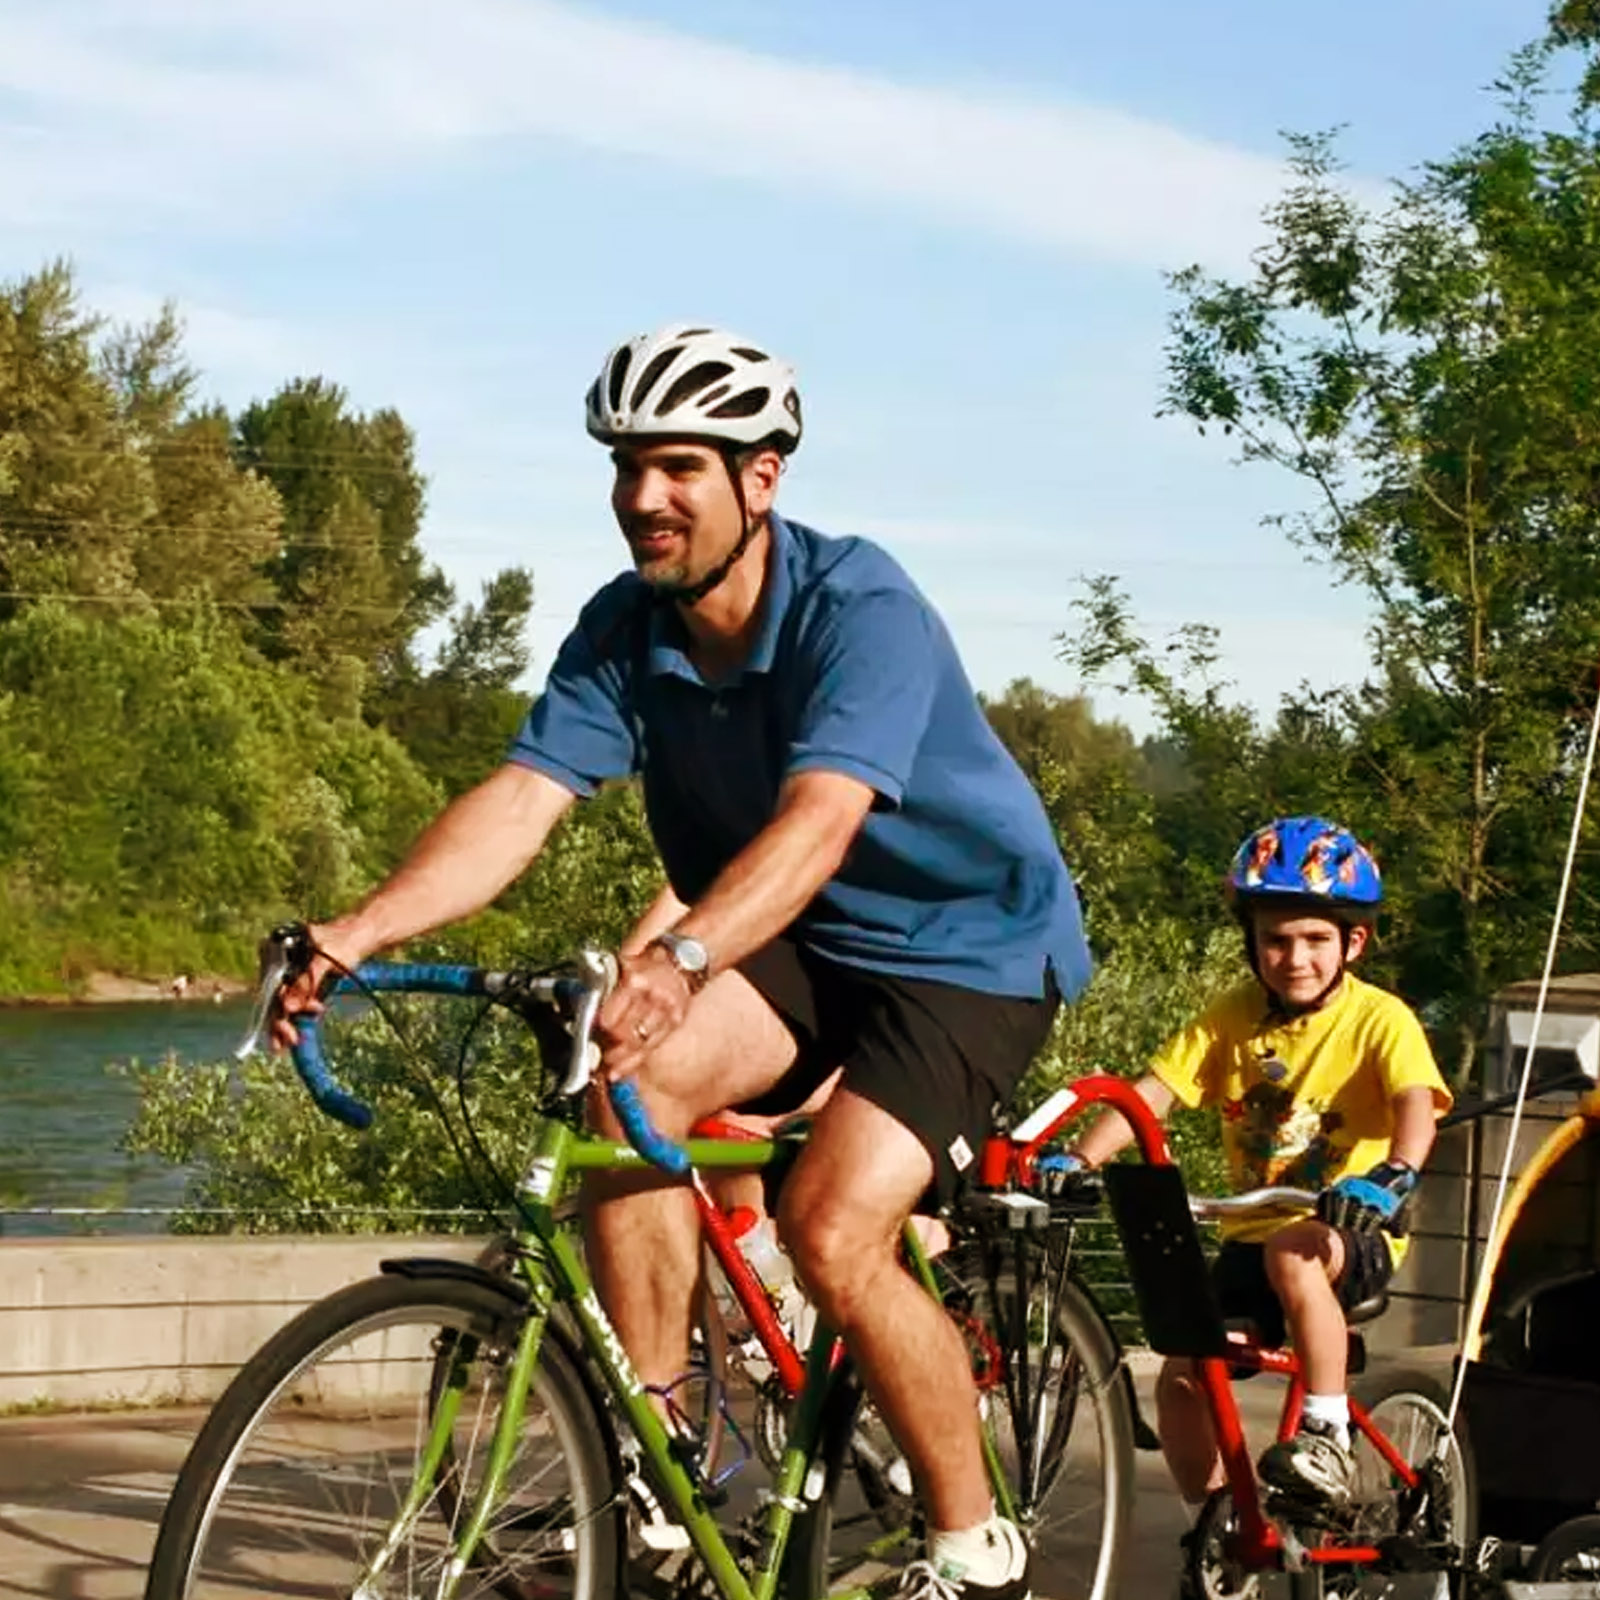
747 1287
1257 1545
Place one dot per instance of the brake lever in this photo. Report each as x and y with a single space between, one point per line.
272 976
286 950
599 970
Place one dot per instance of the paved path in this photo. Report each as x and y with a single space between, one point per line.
80 1497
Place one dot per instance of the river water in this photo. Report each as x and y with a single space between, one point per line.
63 1108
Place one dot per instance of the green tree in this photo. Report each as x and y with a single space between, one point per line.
1428 373
457 719
352 585
215 528
1095 785
74 488
172 793
208 630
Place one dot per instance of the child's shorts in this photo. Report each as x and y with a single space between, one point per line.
1239 1276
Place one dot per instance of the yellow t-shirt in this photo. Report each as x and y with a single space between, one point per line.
1306 1099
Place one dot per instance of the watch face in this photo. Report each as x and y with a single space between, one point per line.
689 953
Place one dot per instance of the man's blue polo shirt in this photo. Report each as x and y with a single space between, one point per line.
955 876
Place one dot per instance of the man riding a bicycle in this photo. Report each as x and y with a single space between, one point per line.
860 880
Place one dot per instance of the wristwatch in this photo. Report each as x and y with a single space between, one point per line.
688 955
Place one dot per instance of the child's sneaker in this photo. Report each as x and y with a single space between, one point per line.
1315 1459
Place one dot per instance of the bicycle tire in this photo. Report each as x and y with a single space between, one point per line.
1411 1409
1569 1552
1078 1547
265 1504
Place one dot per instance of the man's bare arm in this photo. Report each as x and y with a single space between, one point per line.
459 863
756 896
664 912
772 880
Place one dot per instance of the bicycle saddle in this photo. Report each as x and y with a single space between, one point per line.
1365 1310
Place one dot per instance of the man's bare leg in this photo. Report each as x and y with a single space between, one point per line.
642 1230
841 1215
748 1189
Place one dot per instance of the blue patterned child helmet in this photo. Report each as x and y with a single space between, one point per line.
1307 861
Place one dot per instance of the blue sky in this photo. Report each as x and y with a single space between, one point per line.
952 218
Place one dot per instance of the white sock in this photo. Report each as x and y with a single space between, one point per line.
1333 1409
991 1553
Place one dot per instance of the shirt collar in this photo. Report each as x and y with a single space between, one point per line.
669 639
777 592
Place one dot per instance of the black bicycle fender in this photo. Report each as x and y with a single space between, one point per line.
508 1288
1144 1436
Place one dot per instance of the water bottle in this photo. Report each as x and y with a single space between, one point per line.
758 1243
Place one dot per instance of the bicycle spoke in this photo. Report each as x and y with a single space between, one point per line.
322 1488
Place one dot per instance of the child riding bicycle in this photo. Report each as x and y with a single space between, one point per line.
1323 1082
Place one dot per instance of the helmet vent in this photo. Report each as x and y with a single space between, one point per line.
693 333
648 378
617 377
750 353
747 404
698 377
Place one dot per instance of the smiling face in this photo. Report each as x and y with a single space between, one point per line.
675 503
1300 956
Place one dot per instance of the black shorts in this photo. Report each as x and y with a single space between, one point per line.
1245 1294
939 1059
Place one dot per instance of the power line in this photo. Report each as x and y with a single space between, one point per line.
212 533
35 452
201 602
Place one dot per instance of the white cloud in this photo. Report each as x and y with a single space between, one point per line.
192 107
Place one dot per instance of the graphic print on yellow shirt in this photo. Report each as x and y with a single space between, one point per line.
1305 1099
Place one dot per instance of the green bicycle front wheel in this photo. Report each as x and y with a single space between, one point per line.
296 1482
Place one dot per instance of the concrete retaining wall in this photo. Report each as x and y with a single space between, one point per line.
139 1321
104 1322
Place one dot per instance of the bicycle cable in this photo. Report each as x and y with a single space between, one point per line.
510 1191
420 1083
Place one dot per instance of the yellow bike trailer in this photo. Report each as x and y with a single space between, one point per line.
1531 1399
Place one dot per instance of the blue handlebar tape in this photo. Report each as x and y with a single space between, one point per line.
412 977
655 1147
312 1065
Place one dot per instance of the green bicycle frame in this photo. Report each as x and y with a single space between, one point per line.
554 1272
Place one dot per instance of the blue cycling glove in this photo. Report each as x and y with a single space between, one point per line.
1055 1170
1377 1199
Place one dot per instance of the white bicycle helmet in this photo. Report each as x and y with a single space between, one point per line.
695 383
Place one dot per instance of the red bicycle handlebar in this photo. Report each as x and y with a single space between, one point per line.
1010 1157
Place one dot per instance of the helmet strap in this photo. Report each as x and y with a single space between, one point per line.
690 594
